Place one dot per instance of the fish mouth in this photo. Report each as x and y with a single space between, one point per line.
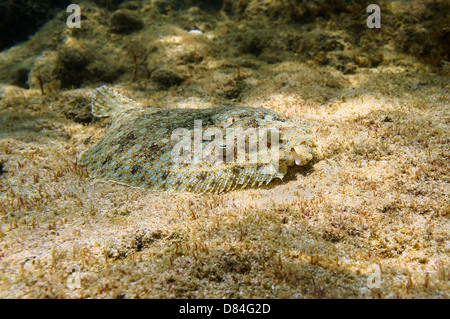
300 156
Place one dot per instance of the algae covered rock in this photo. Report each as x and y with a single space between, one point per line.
166 78
125 21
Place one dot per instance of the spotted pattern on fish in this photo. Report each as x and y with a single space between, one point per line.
137 148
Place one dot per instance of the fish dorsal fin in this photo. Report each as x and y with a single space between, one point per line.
107 102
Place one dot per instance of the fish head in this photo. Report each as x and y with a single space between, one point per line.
296 145
293 143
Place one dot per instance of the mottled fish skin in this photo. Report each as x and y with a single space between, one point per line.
137 148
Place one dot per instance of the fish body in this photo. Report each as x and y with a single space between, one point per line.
210 150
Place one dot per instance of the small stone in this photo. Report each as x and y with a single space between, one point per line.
195 32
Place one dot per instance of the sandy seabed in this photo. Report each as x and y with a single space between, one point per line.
375 203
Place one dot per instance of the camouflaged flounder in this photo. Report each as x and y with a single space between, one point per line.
137 148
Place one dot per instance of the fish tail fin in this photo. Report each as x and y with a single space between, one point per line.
106 101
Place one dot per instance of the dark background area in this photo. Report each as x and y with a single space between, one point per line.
21 18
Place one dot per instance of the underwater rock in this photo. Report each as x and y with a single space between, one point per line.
20 77
131 5
78 109
250 44
71 65
166 78
125 22
108 4
164 6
